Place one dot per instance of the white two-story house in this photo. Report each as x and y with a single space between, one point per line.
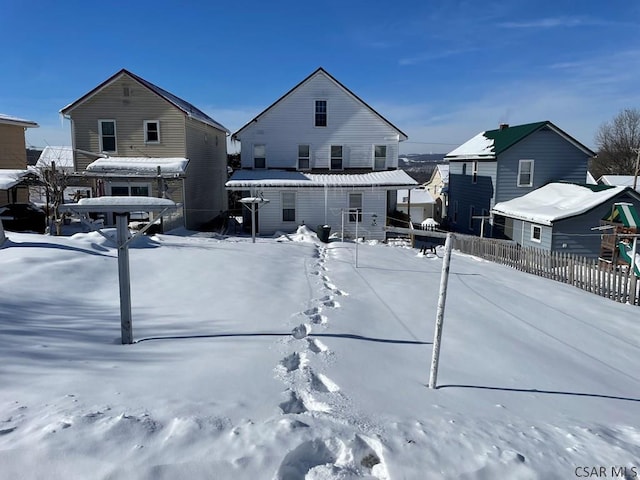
321 156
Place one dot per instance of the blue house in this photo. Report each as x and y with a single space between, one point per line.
506 163
561 217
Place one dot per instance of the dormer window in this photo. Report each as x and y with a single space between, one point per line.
321 113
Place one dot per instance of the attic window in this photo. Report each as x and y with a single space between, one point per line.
321 113
126 92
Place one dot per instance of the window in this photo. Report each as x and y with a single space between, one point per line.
107 132
151 131
472 212
474 172
355 207
288 206
303 157
130 190
464 168
259 156
321 113
336 157
525 173
536 233
380 157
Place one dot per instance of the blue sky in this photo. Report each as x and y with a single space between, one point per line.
441 71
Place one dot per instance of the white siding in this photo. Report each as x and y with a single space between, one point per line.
291 123
317 206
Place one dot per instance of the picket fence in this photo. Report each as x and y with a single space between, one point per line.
616 282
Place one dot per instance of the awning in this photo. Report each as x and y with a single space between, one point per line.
393 179
139 166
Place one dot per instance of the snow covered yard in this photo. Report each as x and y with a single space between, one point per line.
281 360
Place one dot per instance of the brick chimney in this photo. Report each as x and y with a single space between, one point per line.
504 126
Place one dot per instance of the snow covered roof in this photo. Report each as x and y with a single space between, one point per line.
489 144
282 178
418 195
322 71
618 180
20 122
62 156
556 201
10 178
444 171
189 109
139 166
119 204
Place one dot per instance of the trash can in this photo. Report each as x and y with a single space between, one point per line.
323 232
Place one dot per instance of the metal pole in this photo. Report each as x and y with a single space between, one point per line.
442 298
342 227
253 223
356 238
124 277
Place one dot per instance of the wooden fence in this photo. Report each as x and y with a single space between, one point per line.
616 282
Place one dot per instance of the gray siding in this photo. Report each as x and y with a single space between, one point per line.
574 235
524 232
555 159
205 194
466 193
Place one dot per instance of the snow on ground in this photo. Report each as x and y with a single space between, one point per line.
282 360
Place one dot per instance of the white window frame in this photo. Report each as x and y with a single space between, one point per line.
146 131
474 172
306 158
358 210
331 157
535 228
115 134
315 113
376 159
520 164
264 157
288 205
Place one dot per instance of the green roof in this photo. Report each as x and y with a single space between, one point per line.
490 144
505 138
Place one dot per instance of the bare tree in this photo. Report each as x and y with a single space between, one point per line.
55 181
618 141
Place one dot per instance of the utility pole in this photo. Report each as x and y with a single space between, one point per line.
637 169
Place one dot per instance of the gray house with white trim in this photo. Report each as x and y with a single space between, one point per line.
499 165
316 153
